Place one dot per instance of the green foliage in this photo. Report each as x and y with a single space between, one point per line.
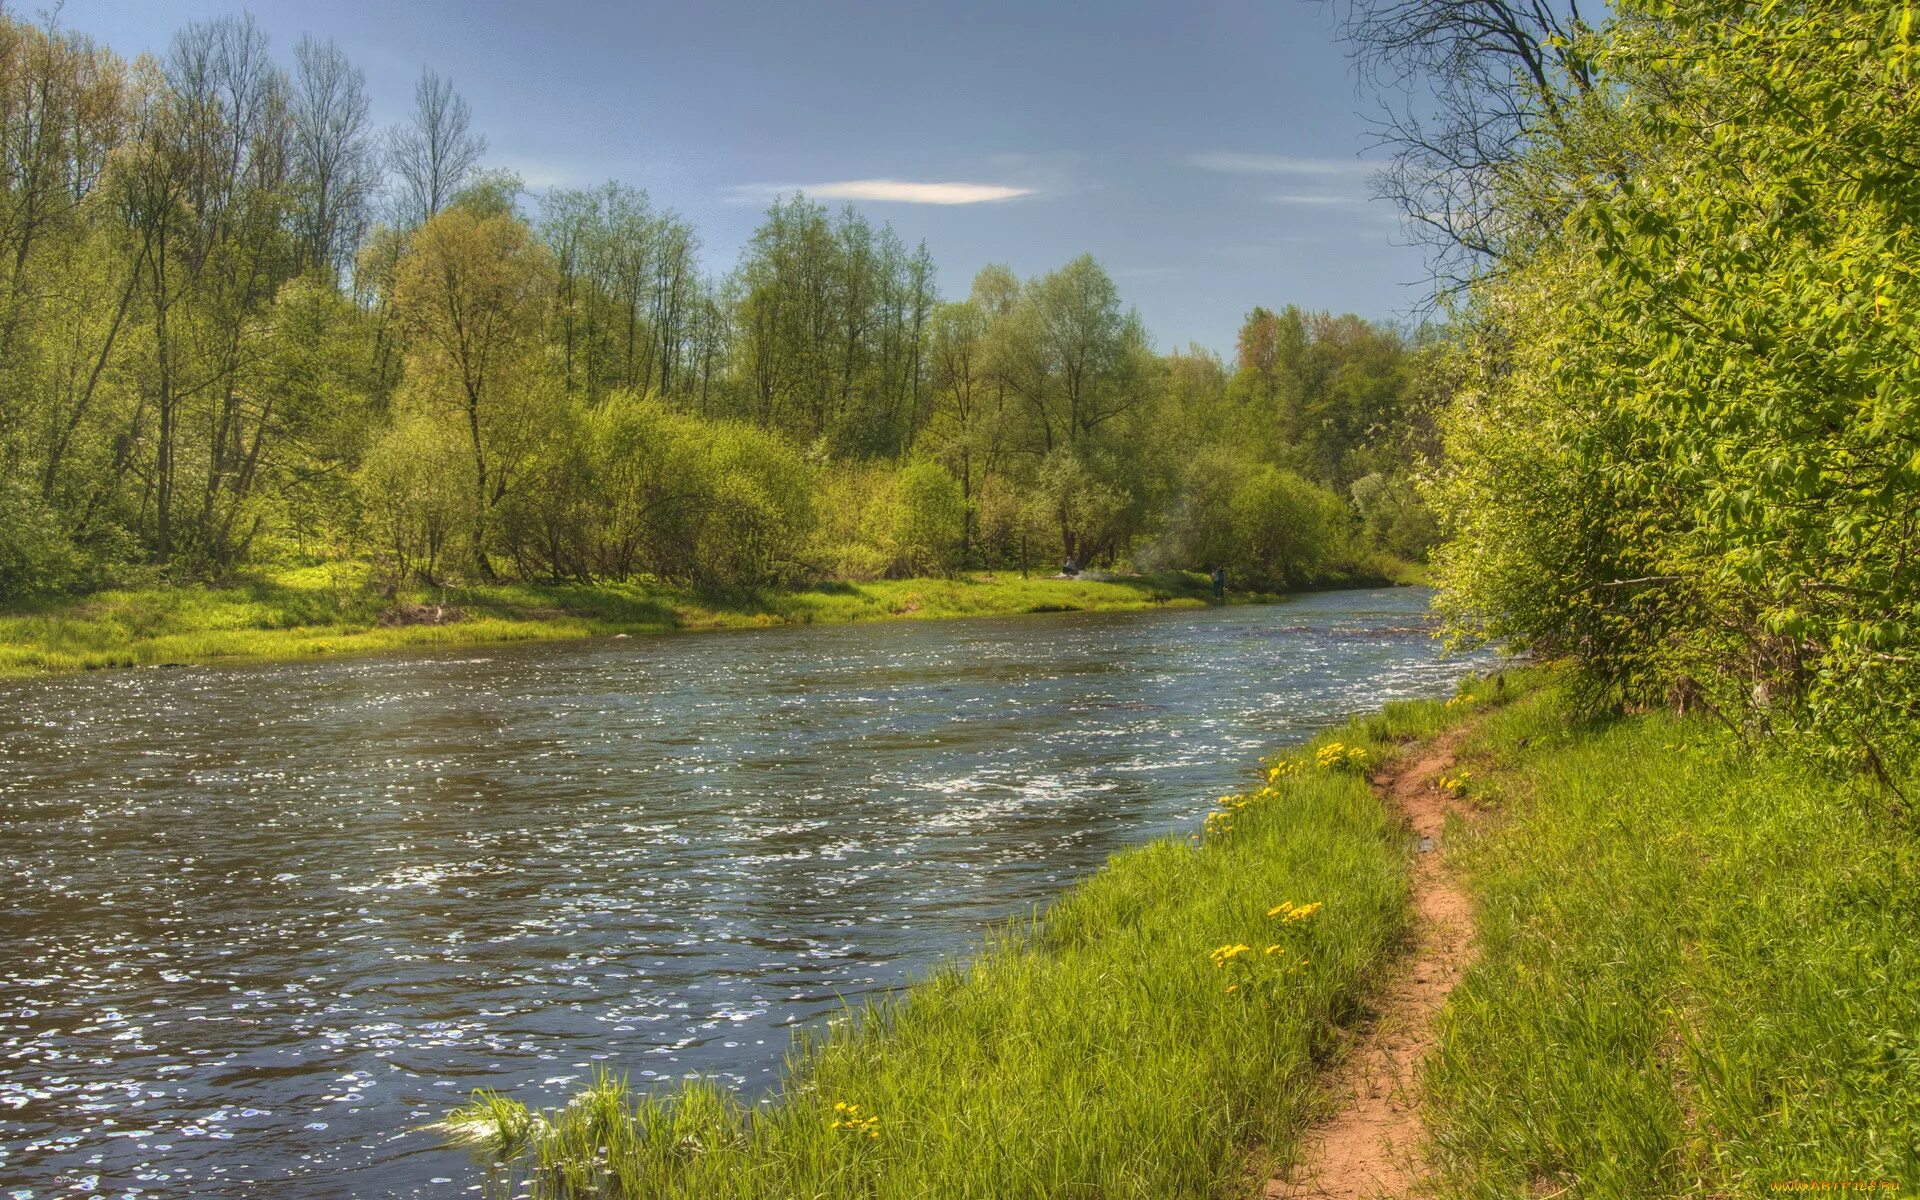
1266 525
415 497
1696 974
831 321
859 519
1330 397
931 525
196 383
1393 517
1287 527
331 609
36 556
758 508
1691 447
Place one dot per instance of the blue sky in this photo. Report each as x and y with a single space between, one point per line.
1209 153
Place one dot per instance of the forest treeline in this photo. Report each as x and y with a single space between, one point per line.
1685 449
241 325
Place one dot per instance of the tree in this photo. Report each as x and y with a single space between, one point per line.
435 151
1685 455
469 293
931 524
413 489
1467 87
966 429
831 316
230 141
334 168
211 359
1075 361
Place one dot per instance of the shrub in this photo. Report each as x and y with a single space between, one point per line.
929 521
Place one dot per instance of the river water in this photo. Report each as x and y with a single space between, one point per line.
264 921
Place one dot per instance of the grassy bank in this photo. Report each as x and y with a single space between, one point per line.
1700 972
329 610
1150 1032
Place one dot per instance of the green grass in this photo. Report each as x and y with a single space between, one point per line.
1096 1050
326 610
1701 971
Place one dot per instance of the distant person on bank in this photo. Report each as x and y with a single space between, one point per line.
1220 584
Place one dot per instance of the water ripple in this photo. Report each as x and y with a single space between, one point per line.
264 921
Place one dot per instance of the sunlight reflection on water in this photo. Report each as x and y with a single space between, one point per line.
265 920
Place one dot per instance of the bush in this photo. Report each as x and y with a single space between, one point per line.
753 492
1690 453
1393 518
1269 527
858 511
37 558
929 521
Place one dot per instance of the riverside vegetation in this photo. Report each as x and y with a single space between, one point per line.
323 610
1694 979
243 332
1683 461
1697 973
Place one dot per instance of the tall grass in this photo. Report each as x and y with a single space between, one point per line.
1138 1039
1700 972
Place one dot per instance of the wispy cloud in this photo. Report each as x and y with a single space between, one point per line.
1230 163
1313 198
895 191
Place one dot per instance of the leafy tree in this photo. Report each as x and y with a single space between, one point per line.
468 292
931 526
1688 452
1265 524
415 496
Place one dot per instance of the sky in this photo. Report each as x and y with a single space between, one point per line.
1213 154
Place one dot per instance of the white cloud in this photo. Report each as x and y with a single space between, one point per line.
1282 164
1313 198
897 191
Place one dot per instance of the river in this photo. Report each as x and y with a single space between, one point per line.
266 920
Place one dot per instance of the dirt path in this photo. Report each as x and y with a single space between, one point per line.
1371 1146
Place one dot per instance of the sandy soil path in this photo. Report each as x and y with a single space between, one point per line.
1370 1147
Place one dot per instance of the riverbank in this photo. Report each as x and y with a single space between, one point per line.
331 610
1162 1021
1688 971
